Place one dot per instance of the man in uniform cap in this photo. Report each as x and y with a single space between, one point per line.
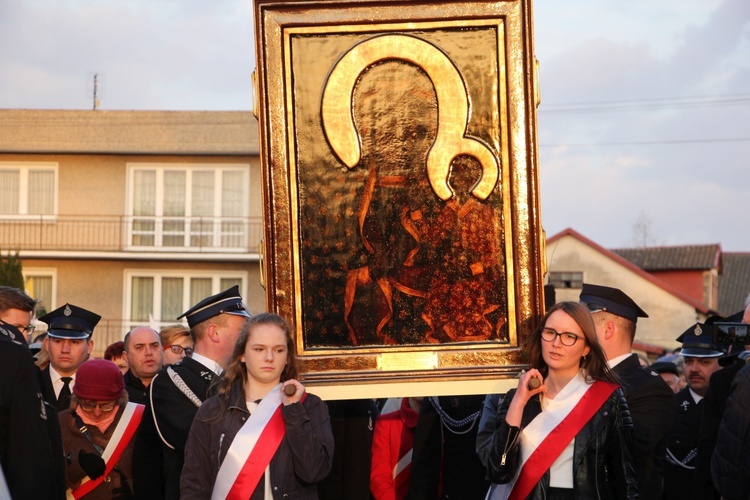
177 391
69 331
649 398
701 357
714 402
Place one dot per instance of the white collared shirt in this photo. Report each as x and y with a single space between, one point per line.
696 397
208 363
619 359
57 383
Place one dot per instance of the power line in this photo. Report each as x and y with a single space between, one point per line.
645 143
650 104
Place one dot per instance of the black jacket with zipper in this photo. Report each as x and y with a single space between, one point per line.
602 467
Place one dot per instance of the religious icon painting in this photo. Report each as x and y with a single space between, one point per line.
400 185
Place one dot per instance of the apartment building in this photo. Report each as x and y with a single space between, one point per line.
135 215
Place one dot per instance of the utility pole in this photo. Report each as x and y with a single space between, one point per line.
96 91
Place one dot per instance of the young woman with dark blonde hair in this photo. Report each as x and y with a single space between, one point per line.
262 436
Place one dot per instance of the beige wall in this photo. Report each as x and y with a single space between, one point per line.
668 317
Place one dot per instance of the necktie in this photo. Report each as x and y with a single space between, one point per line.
63 400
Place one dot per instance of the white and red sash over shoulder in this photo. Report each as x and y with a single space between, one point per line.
252 450
123 433
545 438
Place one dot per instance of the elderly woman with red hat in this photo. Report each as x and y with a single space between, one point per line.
98 433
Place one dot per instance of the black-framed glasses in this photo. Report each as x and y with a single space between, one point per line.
28 329
566 338
90 406
177 349
239 306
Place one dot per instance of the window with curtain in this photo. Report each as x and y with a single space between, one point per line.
165 296
189 206
27 189
40 286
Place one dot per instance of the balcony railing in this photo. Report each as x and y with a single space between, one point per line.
131 234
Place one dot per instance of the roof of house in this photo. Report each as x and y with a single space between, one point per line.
734 283
128 132
698 305
674 258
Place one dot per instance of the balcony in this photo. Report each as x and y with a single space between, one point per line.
131 234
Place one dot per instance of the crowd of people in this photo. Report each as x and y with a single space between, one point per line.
216 410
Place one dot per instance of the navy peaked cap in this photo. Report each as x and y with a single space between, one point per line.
613 300
228 302
698 342
70 322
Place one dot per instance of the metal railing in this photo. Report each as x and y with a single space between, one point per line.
131 233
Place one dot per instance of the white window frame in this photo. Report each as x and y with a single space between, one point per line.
23 199
159 233
43 272
186 274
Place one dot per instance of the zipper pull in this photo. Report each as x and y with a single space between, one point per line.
502 460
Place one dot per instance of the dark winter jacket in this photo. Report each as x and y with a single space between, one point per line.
602 467
303 458
731 459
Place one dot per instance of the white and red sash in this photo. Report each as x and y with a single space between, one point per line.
558 427
252 450
123 433
402 469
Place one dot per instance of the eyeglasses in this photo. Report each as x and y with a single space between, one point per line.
566 338
177 349
90 406
28 329
239 306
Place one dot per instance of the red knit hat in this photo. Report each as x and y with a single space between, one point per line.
99 380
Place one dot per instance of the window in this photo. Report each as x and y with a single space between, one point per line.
189 206
566 279
28 188
162 297
41 285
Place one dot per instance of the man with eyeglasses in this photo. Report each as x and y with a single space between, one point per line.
30 443
649 398
143 352
178 390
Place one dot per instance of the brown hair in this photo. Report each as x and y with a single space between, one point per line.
594 364
170 333
13 298
115 350
236 373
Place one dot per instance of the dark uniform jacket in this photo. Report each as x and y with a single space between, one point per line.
602 467
444 456
711 415
303 458
352 422
119 480
30 447
682 448
165 427
651 404
48 392
731 458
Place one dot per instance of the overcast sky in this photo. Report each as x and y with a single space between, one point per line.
645 115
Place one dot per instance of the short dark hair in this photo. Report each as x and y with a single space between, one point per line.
115 350
13 298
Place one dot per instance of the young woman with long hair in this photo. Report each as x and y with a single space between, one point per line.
262 436
568 438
